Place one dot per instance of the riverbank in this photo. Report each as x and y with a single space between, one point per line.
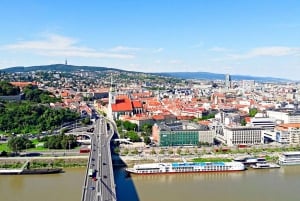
40 162
128 160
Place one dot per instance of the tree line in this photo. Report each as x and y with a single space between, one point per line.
7 89
33 115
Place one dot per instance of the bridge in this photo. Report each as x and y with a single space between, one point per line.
99 184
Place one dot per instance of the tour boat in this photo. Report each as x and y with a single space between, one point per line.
186 167
265 165
289 158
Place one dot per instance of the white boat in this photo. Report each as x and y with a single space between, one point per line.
10 171
186 167
249 160
289 158
265 165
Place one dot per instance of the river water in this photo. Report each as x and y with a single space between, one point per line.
252 185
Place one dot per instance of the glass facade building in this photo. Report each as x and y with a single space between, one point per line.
179 138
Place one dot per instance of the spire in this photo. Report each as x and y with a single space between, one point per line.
66 62
111 82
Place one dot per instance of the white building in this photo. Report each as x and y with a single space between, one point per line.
286 116
207 136
288 133
242 135
266 123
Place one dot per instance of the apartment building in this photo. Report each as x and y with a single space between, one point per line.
288 133
242 135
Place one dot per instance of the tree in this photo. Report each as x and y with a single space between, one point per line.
253 112
133 136
147 140
129 126
243 122
17 144
161 151
147 128
7 89
60 142
178 151
152 152
86 121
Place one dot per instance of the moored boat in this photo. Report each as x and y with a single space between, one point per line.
265 165
25 169
289 158
186 167
249 161
31 171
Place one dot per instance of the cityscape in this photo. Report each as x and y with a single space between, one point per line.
149 101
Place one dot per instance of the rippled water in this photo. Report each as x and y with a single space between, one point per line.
251 185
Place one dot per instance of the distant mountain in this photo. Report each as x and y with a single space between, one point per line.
182 75
56 67
217 76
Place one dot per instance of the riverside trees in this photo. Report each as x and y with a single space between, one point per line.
17 144
32 115
27 117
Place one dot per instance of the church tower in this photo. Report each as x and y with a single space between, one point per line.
111 99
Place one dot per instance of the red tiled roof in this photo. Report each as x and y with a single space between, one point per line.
22 84
64 94
158 117
185 117
137 104
122 104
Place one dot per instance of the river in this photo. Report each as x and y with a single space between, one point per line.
251 185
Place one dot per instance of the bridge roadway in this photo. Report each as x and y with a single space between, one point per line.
101 186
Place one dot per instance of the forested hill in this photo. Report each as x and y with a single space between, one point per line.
218 76
182 75
57 67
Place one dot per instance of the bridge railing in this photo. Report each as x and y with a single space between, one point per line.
86 178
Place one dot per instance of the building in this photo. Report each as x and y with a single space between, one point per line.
227 81
266 123
287 116
181 134
241 135
288 133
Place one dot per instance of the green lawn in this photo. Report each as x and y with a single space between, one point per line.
3 147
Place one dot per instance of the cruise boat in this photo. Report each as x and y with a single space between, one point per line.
265 165
249 161
289 158
186 167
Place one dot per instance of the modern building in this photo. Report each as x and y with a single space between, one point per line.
266 123
241 135
180 134
287 116
227 81
288 133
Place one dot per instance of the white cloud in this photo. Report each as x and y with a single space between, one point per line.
56 45
274 51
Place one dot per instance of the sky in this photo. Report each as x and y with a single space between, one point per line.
254 37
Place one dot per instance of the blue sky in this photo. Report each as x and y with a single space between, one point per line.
254 37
